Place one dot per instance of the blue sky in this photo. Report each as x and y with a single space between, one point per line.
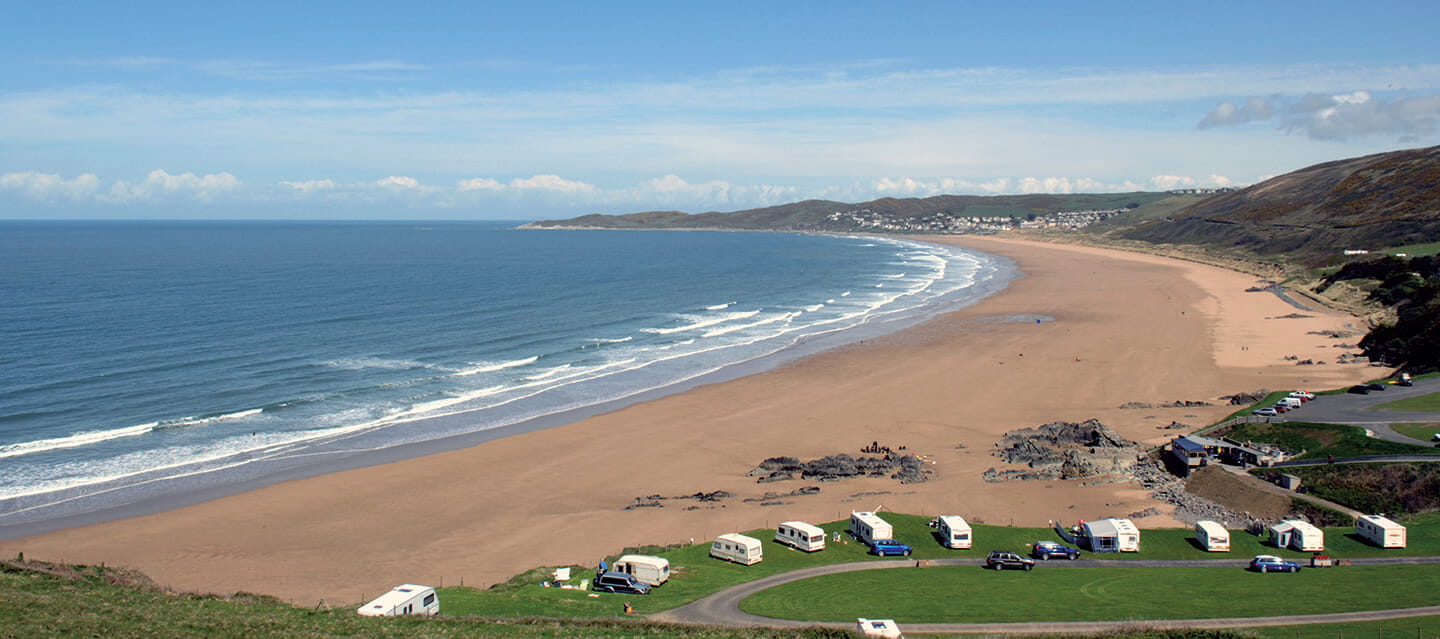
517 110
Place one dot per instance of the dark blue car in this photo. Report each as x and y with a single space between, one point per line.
1271 563
885 547
1054 550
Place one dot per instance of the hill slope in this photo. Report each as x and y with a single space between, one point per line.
1371 202
819 215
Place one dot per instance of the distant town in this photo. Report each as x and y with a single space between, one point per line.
950 223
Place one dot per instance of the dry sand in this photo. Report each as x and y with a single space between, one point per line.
1126 328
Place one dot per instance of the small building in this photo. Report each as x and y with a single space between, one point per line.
1296 534
1112 535
1381 531
1212 536
886 628
407 599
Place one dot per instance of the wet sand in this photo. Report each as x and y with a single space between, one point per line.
1121 328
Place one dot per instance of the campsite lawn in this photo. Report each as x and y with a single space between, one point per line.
973 594
1422 404
694 574
1321 440
1423 432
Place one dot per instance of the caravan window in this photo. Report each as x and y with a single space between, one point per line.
429 599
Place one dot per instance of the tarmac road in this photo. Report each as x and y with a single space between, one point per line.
1359 410
722 608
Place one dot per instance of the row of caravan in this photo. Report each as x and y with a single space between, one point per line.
1305 537
867 527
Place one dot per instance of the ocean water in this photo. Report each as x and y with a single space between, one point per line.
145 361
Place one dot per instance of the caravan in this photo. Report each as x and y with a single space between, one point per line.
953 531
1212 536
800 535
648 569
408 599
1380 531
1112 535
868 527
737 548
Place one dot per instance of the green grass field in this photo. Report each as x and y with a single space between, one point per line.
695 574
1416 628
1421 432
1321 440
1422 404
973 594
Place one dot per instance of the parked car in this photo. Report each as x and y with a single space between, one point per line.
1266 412
1271 563
1280 408
1375 387
885 547
1052 550
622 583
1303 396
1000 560
1405 380
1359 389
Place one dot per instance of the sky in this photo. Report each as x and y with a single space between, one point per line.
531 110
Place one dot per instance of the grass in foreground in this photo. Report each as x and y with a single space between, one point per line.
973 594
1413 628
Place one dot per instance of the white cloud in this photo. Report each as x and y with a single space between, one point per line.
49 186
398 182
479 184
551 183
310 186
1342 116
159 184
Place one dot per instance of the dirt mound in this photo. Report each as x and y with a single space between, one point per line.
1220 486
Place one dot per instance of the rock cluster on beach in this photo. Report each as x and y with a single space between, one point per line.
1065 450
908 469
1246 399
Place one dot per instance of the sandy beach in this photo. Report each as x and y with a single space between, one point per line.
1121 328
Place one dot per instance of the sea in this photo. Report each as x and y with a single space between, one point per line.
146 365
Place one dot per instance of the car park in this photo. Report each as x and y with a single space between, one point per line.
1000 560
1054 550
1266 412
620 582
1271 563
885 547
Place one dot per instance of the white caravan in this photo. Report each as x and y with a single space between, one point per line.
646 568
1212 536
408 599
867 527
954 532
737 548
800 535
1381 531
1297 534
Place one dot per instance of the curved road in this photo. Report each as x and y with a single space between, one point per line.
722 608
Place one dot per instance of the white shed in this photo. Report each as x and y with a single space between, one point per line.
1380 530
886 628
1296 534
